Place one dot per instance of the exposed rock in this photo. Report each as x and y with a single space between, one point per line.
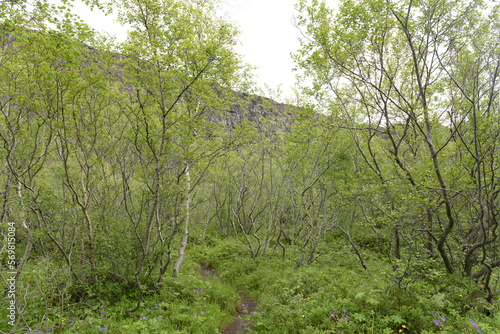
259 110
256 109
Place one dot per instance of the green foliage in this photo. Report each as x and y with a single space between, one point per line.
368 210
311 299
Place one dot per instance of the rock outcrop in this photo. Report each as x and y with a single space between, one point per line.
264 113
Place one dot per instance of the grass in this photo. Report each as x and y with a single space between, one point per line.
332 295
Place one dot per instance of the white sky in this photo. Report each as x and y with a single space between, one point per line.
268 36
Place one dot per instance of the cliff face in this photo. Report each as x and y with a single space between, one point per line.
257 110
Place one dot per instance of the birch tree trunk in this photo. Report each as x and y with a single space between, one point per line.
186 226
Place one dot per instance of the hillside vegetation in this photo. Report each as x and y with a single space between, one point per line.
146 187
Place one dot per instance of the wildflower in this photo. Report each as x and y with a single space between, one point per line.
436 322
403 326
443 319
474 324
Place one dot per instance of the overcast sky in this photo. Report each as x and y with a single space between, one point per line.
268 36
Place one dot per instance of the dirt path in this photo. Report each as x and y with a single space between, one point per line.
206 271
246 308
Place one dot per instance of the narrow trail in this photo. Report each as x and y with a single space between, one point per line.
245 308
206 271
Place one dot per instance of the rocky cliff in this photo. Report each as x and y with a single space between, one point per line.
256 109
265 113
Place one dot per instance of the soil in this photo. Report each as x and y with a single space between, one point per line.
246 307
206 271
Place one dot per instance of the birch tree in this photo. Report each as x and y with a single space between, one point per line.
179 63
416 83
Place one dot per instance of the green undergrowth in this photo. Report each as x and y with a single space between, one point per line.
336 295
190 304
332 295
